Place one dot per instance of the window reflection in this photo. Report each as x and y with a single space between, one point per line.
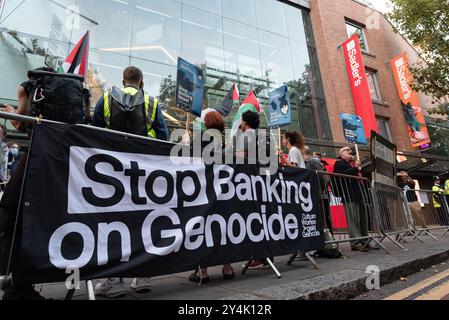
257 44
354 29
276 60
106 71
270 16
241 48
238 10
212 6
294 23
157 31
112 31
202 41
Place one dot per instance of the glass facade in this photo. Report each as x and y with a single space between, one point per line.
259 45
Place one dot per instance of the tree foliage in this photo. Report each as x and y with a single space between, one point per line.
426 24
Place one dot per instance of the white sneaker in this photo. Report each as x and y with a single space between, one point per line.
110 288
141 285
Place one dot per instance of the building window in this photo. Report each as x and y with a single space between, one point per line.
373 86
352 29
384 128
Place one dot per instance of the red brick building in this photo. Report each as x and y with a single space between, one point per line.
333 22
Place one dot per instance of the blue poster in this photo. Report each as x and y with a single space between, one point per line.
279 111
353 128
190 88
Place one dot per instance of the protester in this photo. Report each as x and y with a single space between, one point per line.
313 163
4 155
249 126
354 200
14 157
317 155
20 290
294 142
23 95
215 135
408 185
438 201
129 110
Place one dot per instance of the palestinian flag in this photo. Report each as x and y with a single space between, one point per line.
77 61
249 104
233 97
252 99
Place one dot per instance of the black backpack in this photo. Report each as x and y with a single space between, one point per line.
57 96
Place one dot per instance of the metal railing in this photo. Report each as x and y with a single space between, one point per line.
348 209
430 212
394 213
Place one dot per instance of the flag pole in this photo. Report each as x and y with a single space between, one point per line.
279 132
277 141
188 124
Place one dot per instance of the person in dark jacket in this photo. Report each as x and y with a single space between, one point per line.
313 163
353 198
19 290
130 110
214 134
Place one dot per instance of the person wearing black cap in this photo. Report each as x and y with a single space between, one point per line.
439 201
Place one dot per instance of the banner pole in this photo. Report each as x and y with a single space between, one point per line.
20 206
357 152
27 119
188 124
279 132
271 131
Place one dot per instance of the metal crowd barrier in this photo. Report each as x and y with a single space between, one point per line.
430 213
347 205
393 213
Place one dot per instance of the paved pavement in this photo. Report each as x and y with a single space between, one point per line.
336 278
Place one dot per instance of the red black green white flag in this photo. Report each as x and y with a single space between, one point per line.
252 99
251 103
78 60
226 106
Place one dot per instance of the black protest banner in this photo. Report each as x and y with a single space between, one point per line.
111 205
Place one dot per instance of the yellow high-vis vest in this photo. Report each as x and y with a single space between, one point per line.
150 110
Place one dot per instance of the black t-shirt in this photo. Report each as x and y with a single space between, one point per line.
27 85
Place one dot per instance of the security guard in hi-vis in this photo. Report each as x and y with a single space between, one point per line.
130 110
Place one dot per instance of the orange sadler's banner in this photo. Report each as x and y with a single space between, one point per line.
418 133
